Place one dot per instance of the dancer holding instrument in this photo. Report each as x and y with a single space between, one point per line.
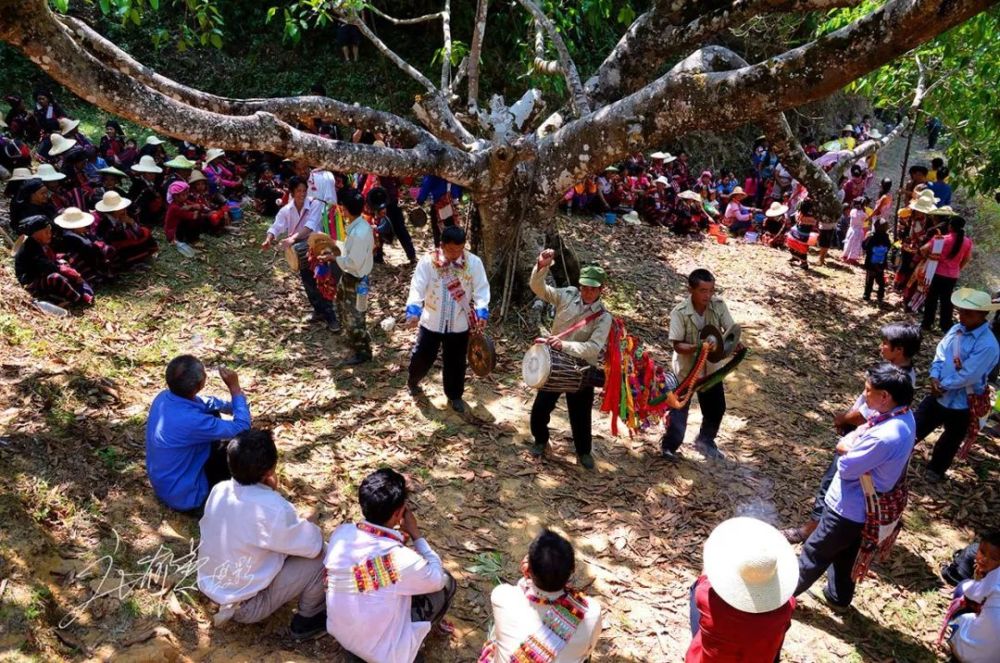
687 321
580 329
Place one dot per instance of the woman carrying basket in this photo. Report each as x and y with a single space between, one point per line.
580 329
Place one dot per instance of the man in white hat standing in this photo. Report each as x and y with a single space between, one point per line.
741 606
959 395
871 469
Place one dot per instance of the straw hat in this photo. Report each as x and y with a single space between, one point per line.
775 210
112 201
67 125
848 127
197 176
925 202
632 218
60 144
213 153
611 169
180 161
147 164
111 170
750 565
20 174
875 133
667 157
738 191
74 217
153 140
47 173
944 210
971 299
689 195
662 180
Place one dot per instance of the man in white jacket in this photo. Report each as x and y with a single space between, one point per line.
975 636
256 553
383 597
449 297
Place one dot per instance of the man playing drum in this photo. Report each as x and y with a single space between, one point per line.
687 321
586 342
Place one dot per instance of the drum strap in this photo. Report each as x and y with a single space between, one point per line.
582 322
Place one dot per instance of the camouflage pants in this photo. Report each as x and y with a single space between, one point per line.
352 320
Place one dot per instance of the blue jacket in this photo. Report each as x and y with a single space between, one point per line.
179 436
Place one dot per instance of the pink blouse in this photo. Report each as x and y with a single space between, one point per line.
950 267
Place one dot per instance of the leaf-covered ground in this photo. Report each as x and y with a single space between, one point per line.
74 498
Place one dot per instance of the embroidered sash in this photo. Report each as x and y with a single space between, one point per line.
559 623
378 572
453 284
883 511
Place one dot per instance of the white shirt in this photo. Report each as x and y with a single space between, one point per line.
323 186
515 618
429 297
246 534
976 638
290 221
375 625
357 258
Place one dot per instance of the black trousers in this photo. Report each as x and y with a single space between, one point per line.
435 230
395 215
216 470
713 408
819 502
929 415
320 304
939 295
833 545
579 404
875 276
453 358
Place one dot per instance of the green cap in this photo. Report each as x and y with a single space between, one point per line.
180 161
592 276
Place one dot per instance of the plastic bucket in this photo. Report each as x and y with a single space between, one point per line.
713 229
751 237
722 238
610 218
235 211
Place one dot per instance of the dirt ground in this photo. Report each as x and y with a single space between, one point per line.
84 544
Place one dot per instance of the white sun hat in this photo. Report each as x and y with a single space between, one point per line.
48 173
67 125
60 144
750 565
213 153
74 217
775 210
147 164
690 195
20 174
925 202
153 140
112 201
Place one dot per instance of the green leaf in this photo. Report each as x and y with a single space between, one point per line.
105 6
61 5
216 40
155 4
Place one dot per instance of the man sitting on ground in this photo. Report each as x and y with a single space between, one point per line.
186 438
976 631
542 613
742 604
383 597
256 553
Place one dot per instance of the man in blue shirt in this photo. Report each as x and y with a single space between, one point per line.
444 197
962 362
881 449
941 189
186 438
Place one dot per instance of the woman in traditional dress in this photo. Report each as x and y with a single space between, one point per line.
797 239
853 250
132 242
951 253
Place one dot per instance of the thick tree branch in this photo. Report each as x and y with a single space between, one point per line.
31 27
289 109
822 190
872 146
665 32
678 103
581 105
475 54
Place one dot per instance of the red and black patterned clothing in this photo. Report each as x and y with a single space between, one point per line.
45 276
